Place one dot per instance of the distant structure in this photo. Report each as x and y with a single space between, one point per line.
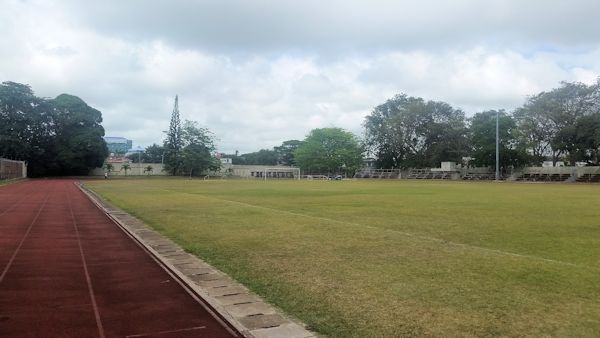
118 145
10 169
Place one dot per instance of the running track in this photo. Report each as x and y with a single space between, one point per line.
66 270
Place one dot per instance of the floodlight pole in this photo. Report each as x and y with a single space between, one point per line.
497 147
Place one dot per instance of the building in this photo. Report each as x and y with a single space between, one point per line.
118 145
259 171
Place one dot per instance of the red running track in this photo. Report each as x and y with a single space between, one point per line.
66 270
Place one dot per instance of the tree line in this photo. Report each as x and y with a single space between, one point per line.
60 136
560 124
189 150
63 136
411 132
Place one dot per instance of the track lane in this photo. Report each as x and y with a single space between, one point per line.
76 274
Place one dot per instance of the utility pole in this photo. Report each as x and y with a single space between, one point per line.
497 146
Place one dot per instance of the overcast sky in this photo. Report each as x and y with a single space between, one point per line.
261 72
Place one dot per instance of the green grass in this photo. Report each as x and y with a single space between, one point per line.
10 181
394 258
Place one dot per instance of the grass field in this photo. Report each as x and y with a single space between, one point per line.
393 258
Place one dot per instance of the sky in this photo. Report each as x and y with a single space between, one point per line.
259 72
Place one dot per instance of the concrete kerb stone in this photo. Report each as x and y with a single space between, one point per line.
247 312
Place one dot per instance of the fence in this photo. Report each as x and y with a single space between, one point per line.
10 169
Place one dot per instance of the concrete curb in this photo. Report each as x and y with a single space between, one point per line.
245 311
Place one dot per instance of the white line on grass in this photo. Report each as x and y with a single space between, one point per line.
408 234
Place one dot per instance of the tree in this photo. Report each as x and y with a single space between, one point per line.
411 132
109 167
148 170
152 154
329 150
545 118
61 136
174 143
483 140
78 140
125 167
261 157
285 152
18 106
582 140
198 147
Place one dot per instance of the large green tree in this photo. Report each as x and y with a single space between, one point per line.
546 120
61 136
198 147
581 141
411 132
25 121
285 152
329 151
483 140
78 140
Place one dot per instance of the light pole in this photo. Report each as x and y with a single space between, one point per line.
497 146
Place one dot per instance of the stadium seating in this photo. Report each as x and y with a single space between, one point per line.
378 173
589 178
543 177
427 174
479 176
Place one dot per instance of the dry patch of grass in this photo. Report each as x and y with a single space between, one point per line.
382 259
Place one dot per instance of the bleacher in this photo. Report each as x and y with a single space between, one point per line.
428 174
543 177
589 178
378 173
474 176
586 174
419 174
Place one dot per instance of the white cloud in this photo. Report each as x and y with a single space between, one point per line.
271 88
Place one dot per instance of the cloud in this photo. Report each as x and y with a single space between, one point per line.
320 26
262 72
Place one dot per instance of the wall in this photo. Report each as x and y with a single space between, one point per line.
247 171
136 169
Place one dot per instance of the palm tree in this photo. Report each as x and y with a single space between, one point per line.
148 169
109 167
125 167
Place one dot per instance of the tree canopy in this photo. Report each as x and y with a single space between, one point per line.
198 148
261 157
546 121
411 132
483 140
152 154
60 136
285 152
559 124
329 151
